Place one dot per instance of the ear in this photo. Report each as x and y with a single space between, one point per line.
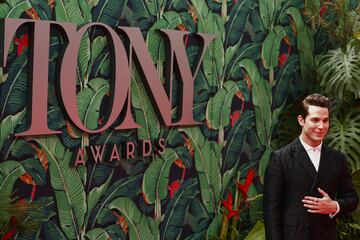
301 120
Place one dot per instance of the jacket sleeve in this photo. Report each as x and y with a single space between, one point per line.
346 193
273 195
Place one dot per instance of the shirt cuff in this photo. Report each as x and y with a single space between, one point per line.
331 215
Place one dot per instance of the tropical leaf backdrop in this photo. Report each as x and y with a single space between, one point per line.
208 183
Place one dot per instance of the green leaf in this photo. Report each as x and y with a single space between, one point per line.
97 46
95 195
236 139
145 114
67 185
257 232
14 90
108 12
52 231
89 101
18 9
130 187
156 177
344 136
197 217
154 6
283 81
271 47
8 124
174 220
208 166
68 11
261 96
305 44
219 107
248 50
34 168
339 71
236 24
97 234
84 57
214 58
266 9
156 43
264 162
140 226
85 8
9 173
4 9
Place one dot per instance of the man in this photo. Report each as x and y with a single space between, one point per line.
307 183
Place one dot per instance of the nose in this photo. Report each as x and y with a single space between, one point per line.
322 125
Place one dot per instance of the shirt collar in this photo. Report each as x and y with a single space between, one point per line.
308 147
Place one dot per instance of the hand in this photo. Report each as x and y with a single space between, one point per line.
322 205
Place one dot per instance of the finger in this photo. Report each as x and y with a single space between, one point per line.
311 202
322 192
309 206
309 198
313 211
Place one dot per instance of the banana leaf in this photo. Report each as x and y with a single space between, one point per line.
10 171
174 220
238 18
214 58
89 101
140 226
261 96
156 177
108 12
219 107
13 91
145 114
130 187
207 164
271 47
8 125
156 43
66 182
235 140
18 9
68 11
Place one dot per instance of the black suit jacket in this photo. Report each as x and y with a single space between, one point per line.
289 177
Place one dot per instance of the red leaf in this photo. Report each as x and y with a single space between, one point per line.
282 59
9 235
173 187
234 117
228 203
22 42
245 187
323 10
232 213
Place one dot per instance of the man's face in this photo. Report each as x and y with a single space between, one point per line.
315 126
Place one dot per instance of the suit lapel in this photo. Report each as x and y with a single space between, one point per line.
303 158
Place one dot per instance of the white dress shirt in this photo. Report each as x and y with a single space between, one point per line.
314 154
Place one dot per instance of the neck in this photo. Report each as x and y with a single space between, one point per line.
309 142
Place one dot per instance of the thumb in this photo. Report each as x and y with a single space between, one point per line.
323 192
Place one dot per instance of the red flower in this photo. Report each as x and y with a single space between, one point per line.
282 59
323 10
22 42
228 204
173 187
234 117
9 235
245 187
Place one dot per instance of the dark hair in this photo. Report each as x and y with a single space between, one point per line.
314 99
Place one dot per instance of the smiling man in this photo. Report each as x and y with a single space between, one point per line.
307 184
